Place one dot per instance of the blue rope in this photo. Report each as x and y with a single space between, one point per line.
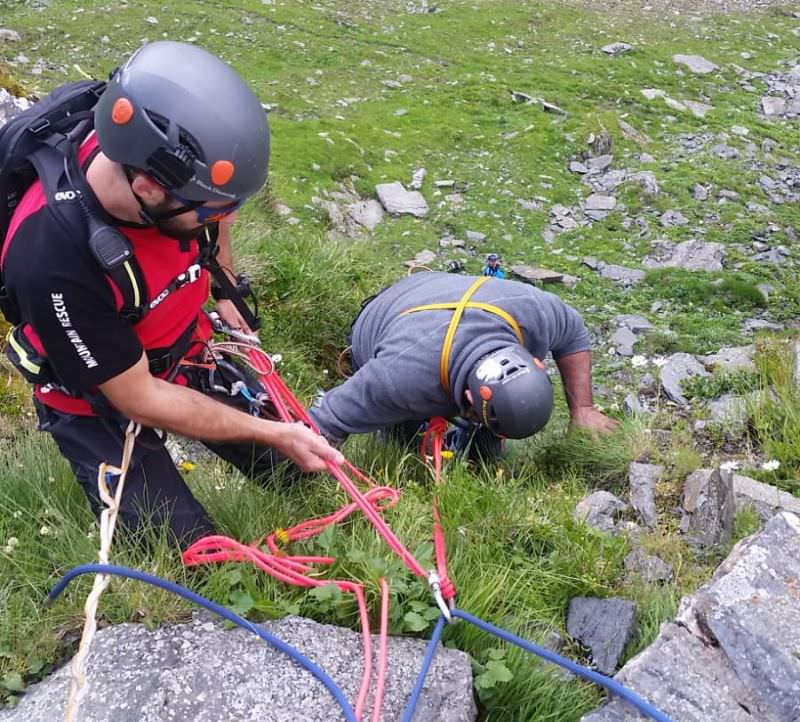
411 707
610 684
303 661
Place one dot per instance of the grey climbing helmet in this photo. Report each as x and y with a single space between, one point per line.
511 392
183 116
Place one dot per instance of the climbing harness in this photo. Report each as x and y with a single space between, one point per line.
458 309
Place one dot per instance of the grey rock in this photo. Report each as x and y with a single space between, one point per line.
623 340
202 673
696 63
751 325
600 163
767 500
476 237
725 152
700 193
576 166
647 382
650 569
397 200
673 218
637 324
621 274
9 36
417 177
643 480
599 510
599 202
633 406
732 358
533 274
652 93
617 48
729 410
423 258
10 106
602 625
698 110
608 182
694 255
679 366
708 508
728 195
636 136
367 213
646 179
591 262
773 106
731 654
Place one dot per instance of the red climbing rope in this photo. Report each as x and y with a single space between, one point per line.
267 553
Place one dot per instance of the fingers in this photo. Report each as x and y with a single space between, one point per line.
310 451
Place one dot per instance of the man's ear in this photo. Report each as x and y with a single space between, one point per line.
148 190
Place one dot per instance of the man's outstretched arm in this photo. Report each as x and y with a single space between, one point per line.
150 401
576 374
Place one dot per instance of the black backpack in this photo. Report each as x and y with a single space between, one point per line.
42 142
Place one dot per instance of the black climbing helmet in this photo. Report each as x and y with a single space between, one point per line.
511 392
183 116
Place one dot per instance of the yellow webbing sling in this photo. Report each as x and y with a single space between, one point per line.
458 311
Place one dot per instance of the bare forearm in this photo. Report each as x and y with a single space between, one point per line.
153 402
576 375
183 411
225 251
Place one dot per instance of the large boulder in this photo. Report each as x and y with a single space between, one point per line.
732 652
198 672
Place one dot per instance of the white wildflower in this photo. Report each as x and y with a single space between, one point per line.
12 541
45 530
771 465
638 361
17 514
731 465
659 361
8 549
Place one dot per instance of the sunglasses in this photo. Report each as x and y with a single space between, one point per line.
205 214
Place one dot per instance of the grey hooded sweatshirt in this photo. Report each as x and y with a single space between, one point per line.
397 357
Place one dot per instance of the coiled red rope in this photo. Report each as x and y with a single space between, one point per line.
267 553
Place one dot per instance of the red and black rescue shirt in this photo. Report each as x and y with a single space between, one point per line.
72 307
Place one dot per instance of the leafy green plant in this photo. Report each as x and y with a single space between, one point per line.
491 672
711 387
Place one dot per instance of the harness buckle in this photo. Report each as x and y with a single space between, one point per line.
435 585
190 275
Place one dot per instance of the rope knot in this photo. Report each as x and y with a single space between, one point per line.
448 588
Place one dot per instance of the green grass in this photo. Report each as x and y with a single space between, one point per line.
516 555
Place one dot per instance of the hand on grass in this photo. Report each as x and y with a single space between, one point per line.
589 418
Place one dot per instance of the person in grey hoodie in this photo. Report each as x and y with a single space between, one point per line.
406 370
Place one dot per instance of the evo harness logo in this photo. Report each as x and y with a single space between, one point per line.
66 196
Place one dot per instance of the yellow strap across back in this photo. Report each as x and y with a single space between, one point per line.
458 311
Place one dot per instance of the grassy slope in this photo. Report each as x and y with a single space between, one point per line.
322 66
